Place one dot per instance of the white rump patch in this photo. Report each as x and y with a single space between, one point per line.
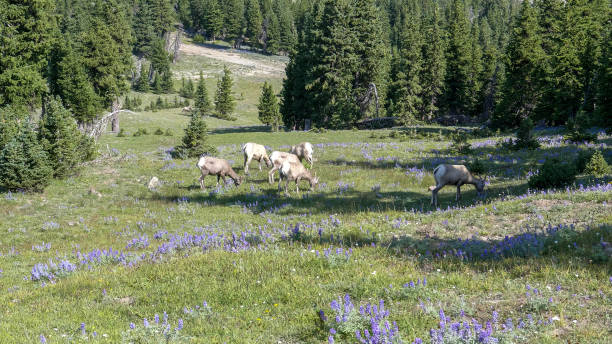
285 168
440 172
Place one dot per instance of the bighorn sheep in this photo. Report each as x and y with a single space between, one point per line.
254 151
219 167
446 174
277 159
303 151
290 171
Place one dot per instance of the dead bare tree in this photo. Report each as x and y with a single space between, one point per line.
365 100
97 128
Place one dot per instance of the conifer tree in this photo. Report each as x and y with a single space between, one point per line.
60 138
26 33
474 82
143 28
70 81
406 71
372 53
234 22
268 107
524 67
434 66
603 96
202 102
142 84
194 142
254 21
458 58
213 19
288 34
162 13
224 98
24 164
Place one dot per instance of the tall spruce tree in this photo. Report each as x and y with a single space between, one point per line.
224 98
474 81
603 96
60 138
234 22
143 28
434 66
268 107
371 50
458 57
202 102
254 22
27 31
213 19
524 68
406 70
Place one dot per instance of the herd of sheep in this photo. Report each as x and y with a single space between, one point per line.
290 168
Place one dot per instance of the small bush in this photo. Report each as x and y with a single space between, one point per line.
159 131
168 132
141 131
524 136
199 39
576 130
553 174
460 142
597 165
121 133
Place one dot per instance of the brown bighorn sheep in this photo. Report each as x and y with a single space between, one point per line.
219 167
303 150
446 174
277 159
290 171
257 152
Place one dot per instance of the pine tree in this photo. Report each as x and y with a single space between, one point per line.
474 81
202 103
272 35
234 21
434 66
26 34
70 81
24 165
268 107
187 90
156 86
603 85
524 67
194 142
288 34
11 119
60 138
142 84
254 21
224 99
458 58
213 19
372 55
162 13
490 73
406 71
143 28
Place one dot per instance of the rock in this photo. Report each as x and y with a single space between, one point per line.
154 183
93 191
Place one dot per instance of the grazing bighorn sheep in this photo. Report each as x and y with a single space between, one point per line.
254 151
290 171
303 151
446 174
277 159
219 167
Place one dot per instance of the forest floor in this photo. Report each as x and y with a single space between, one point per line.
97 256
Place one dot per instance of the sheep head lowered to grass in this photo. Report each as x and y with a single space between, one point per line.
219 167
446 174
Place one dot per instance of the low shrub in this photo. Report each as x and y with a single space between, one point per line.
597 165
477 167
553 174
159 131
460 142
141 131
199 39
583 158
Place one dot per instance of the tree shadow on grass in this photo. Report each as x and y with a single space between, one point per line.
242 129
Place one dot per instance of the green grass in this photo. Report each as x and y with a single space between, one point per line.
273 294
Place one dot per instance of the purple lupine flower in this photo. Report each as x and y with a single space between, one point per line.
43 340
132 326
146 323
330 339
332 330
156 318
83 329
180 324
322 316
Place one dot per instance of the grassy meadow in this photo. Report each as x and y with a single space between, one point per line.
95 255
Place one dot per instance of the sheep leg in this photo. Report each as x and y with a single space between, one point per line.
224 181
280 180
247 161
218 178
204 174
260 164
271 174
434 195
287 186
297 187
458 197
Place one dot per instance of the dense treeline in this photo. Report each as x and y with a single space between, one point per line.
501 60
